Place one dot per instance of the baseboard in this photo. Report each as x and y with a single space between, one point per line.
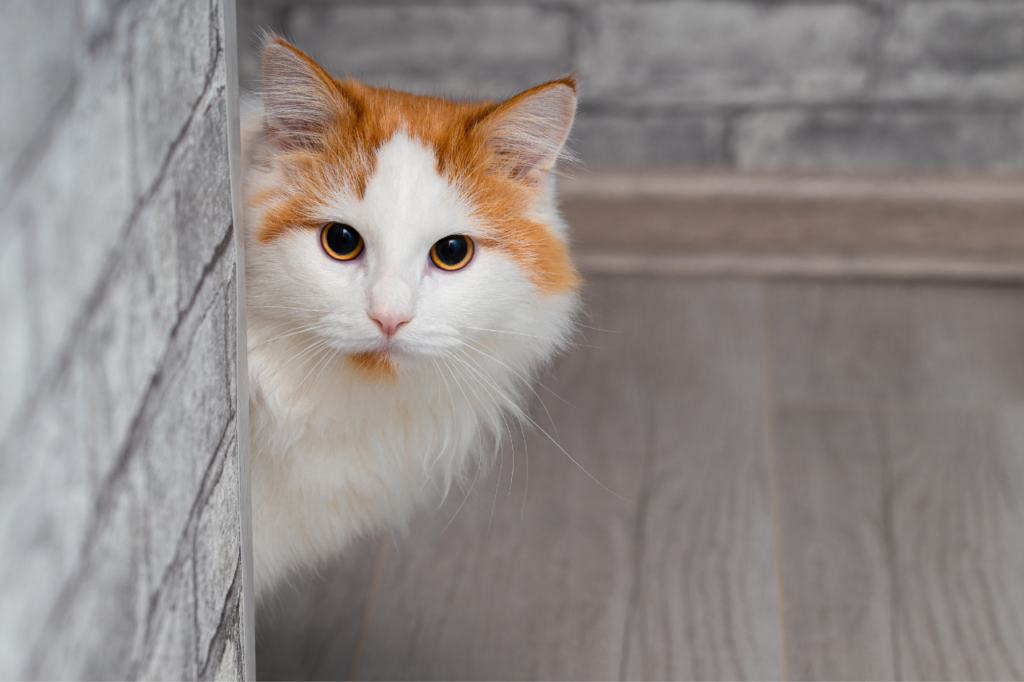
801 225
799 267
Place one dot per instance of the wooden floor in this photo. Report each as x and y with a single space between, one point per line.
821 480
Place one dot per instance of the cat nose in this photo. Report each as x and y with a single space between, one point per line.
389 323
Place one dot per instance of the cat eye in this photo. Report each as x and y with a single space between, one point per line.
341 241
452 253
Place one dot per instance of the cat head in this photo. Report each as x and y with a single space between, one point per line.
396 230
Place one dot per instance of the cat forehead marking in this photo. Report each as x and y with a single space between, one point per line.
406 197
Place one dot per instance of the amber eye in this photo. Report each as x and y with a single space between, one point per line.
452 253
341 241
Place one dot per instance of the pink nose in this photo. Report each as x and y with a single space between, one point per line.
389 324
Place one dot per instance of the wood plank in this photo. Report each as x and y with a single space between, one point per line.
902 555
837 592
966 345
706 603
837 352
309 630
898 442
837 343
957 467
867 344
957 508
538 591
793 214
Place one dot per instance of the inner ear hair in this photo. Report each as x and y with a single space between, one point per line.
300 99
527 132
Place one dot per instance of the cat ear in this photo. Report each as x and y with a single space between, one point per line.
527 132
300 99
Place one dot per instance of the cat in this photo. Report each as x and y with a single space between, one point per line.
407 272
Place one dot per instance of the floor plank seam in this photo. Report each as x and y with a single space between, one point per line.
640 521
889 535
773 483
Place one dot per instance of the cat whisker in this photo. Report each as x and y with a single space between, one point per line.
455 419
451 398
502 331
310 328
293 358
520 411
571 343
292 307
529 380
515 367
309 351
501 458
597 329
459 385
465 360
455 379
312 355
468 493
573 460
327 364
501 412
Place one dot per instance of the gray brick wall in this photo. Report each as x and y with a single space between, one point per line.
120 524
933 85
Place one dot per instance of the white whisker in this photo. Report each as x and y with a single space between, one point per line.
520 411
501 458
463 500
528 380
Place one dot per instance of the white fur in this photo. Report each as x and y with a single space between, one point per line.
333 454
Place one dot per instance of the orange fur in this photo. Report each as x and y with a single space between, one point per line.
459 133
374 366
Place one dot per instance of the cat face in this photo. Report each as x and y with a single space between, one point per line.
396 230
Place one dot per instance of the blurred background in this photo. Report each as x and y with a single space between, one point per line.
745 84
801 225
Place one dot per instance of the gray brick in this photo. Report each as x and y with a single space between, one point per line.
46 500
97 19
202 195
189 423
102 630
476 50
727 52
228 668
45 70
172 52
127 337
957 50
902 140
116 403
172 654
76 202
649 140
217 540
84 418
16 345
